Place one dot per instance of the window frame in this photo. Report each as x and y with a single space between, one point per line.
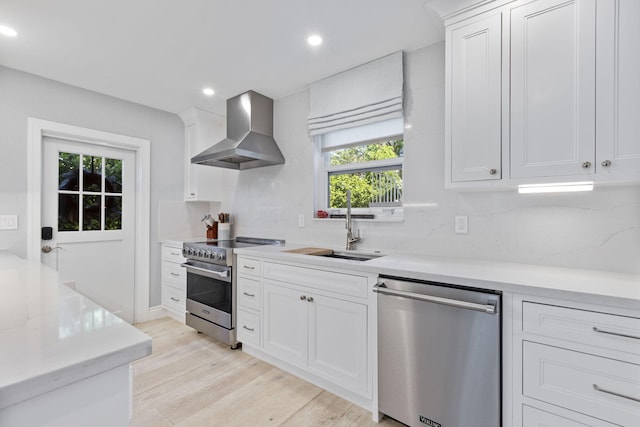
324 170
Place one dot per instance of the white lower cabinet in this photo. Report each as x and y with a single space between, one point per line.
575 364
533 417
325 335
315 322
174 281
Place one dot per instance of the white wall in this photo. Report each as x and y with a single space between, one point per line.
24 95
598 230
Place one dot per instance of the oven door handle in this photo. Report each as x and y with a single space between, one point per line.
205 272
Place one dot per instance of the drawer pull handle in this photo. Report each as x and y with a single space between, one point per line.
624 396
175 274
247 328
249 267
248 294
175 253
600 331
175 299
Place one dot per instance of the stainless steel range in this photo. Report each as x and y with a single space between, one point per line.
211 285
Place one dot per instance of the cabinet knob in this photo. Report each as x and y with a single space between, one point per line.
606 163
302 297
586 164
493 171
310 299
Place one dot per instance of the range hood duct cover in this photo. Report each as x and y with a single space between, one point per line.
249 142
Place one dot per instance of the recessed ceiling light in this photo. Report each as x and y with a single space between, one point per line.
8 31
208 91
314 40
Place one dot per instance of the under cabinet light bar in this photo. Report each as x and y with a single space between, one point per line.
562 187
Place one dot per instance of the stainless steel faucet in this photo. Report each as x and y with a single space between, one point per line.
351 240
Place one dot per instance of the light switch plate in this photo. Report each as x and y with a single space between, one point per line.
8 222
301 220
461 224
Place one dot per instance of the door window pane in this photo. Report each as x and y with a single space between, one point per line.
81 197
68 166
91 211
113 173
113 214
92 173
68 211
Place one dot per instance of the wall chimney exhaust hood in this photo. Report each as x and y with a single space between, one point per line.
249 142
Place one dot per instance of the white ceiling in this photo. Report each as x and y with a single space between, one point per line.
161 53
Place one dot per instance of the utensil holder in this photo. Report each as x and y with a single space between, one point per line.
224 231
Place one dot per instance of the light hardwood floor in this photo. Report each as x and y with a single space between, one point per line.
193 380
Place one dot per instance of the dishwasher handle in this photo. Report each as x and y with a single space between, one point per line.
489 308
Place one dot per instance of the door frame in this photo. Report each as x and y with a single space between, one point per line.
38 129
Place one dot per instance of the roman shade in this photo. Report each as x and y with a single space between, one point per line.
369 93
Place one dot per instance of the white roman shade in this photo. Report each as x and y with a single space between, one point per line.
369 93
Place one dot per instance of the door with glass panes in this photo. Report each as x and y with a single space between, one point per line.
88 199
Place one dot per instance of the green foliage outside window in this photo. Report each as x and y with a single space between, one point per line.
367 186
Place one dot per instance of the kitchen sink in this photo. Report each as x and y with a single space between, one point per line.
353 256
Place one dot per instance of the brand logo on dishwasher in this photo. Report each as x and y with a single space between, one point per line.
427 421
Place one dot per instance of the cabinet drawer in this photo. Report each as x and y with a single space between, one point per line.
174 299
249 293
172 254
587 327
248 328
174 275
532 417
569 379
249 266
342 283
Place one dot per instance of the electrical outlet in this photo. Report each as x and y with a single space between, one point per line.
8 222
301 220
461 224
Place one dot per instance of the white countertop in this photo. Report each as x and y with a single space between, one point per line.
568 283
51 336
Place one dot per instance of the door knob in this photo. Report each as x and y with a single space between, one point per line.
46 249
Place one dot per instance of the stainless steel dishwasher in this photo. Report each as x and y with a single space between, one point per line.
439 358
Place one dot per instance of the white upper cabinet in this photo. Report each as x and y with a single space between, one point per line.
543 91
553 88
618 89
474 105
202 130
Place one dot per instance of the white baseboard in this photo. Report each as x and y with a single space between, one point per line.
153 313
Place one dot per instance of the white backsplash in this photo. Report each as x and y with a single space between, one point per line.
178 220
598 230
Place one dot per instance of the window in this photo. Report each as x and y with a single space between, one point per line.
371 168
82 196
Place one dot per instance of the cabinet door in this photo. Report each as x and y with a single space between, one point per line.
206 183
618 89
474 110
285 323
338 341
532 417
552 89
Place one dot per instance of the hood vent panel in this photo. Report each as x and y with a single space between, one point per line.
249 142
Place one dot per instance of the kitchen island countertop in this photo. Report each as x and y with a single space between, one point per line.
51 336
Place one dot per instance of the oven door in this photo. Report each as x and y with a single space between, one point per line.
209 292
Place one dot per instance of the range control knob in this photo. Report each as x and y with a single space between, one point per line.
220 256
208 254
190 251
